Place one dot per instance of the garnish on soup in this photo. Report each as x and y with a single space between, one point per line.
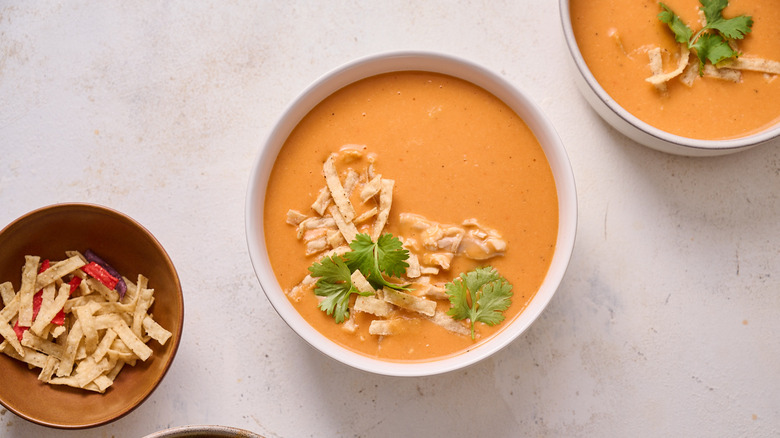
714 42
391 276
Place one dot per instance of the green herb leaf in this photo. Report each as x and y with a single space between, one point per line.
481 295
711 42
682 33
386 255
713 48
733 28
335 284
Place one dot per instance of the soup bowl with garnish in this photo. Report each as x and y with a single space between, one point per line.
681 76
411 213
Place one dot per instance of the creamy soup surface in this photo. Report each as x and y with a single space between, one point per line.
614 36
455 152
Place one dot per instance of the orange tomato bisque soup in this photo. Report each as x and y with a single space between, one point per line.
455 152
614 37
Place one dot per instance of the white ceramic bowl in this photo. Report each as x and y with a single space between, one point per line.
638 130
384 63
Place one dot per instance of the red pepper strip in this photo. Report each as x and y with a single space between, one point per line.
46 264
101 275
59 318
37 301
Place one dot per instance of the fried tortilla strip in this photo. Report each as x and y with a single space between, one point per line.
361 283
10 337
7 293
657 67
413 271
58 270
30 356
337 190
105 344
691 73
385 202
295 217
443 320
366 215
350 181
141 309
726 74
384 327
373 305
71 348
27 290
50 310
155 330
409 302
47 371
335 238
109 294
683 62
86 315
753 64
347 228
131 340
322 202
371 188
48 348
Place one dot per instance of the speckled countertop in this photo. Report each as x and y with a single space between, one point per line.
666 323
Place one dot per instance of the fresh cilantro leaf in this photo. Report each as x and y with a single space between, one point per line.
386 255
481 295
335 284
711 42
713 48
732 28
682 33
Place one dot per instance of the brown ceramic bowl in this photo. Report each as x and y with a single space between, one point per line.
50 231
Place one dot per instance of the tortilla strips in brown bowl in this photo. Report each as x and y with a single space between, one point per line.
91 318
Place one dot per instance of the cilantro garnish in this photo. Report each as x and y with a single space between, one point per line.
480 295
711 42
386 256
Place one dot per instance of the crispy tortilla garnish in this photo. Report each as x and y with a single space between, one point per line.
409 302
59 270
727 74
337 190
384 327
26 292
385 202
360 282
373 305
47 312
322 202
657 67
347 228
753 64
371 188
682 63
295 217
443 320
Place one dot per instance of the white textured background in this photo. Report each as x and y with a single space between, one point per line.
666 323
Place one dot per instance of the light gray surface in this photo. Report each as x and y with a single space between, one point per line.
666 323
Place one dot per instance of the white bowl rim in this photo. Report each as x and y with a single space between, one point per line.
724 145
415 61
